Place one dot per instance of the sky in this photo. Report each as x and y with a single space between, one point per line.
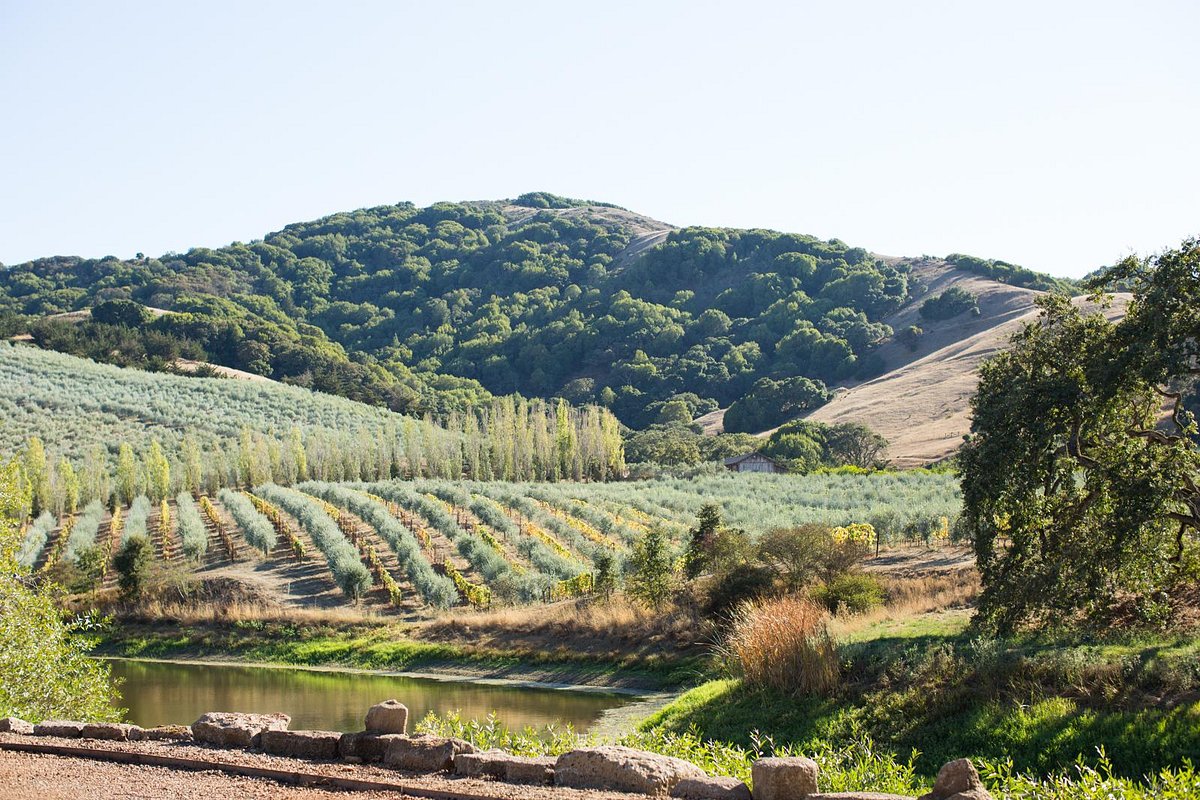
1056 135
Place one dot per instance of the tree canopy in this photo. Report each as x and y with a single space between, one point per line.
1080 475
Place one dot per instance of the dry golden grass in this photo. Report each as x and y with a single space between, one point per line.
783 643
612 627
911 596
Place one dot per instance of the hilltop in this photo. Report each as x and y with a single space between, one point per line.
438 309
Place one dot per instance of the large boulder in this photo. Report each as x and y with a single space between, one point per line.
319 745
168 733
365 747
15 725
424 753
112 731
711 789
63 728
623 769
792 778
228 729
390 716
958 780
538 770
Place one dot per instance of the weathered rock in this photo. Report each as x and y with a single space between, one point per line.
64 728
784 778
15 725
424 753
112 731
857 796
489 764
623 769
319 745
711 789
366 747
530 769
168 733
957 777
390 716
228 729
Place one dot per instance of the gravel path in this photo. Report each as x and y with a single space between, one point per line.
31 775
52 777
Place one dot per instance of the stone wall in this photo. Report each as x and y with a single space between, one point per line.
386 741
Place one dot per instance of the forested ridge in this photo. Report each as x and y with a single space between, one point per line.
433 310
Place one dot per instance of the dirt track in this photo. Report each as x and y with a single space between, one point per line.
54 777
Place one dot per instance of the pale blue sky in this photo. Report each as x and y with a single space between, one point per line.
1058 135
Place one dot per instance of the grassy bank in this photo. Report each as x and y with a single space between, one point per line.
384 647
925 687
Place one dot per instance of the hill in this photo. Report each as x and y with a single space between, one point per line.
437 309
920 403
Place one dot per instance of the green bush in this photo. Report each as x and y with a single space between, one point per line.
854 593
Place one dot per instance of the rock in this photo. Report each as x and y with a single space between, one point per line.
489 763
784 778
623 769
711 789
424 753
971 794
112 731
366 747
957 777
318 745
857 796
390 716
538 770
15 725
229 729
63 728
168 733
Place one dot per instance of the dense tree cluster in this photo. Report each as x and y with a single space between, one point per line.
431 309
1080 476
950 303
1010 273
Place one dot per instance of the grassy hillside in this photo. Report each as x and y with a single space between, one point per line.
431 309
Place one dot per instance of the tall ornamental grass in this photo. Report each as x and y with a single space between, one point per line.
784 644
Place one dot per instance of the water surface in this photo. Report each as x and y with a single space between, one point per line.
158 693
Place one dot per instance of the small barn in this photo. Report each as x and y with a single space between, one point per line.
752 462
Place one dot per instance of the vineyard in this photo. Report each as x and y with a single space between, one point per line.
410 547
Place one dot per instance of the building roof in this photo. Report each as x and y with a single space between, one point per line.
735 460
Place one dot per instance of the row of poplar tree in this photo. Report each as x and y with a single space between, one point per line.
510 440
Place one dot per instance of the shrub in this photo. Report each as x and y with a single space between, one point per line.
783 644
348 571
740 584
132 564
83 535
135 521
802 555
257 529
35 539
45 670
950 303
191 526
651 569
854 593
437 590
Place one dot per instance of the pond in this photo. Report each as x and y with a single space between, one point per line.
165 693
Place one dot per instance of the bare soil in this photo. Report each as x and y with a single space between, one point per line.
49 777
